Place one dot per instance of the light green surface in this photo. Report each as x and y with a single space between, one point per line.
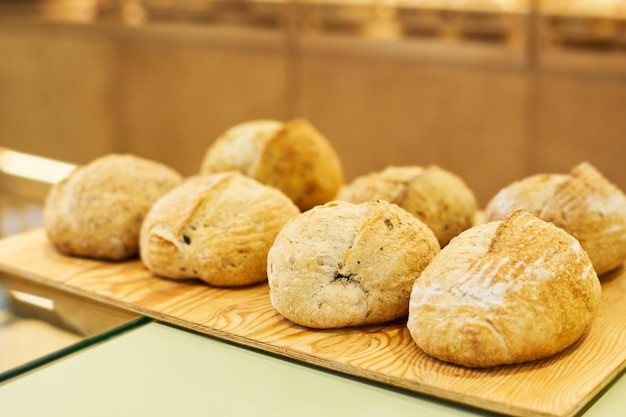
157 370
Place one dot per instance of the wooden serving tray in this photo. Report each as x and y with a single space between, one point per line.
561 385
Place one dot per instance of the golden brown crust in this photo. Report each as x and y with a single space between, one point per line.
593 210
293 157
97 210
344 264
583 203
434 195
504 292
217 228
530 194
239 147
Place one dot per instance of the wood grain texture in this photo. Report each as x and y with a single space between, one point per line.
561 385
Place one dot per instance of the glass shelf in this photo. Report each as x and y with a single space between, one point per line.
40 324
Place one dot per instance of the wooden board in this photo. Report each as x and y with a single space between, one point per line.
558 386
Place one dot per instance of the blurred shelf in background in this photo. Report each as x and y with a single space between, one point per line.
491 89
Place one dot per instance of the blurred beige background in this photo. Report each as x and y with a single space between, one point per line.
492 92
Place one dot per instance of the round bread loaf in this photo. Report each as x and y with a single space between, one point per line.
504 292
97 210
217 228
434 195
343 264
293 157
583 203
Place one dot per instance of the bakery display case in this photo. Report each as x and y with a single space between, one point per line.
492 90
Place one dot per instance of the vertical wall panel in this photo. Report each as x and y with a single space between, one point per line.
381 111
57 88
580 119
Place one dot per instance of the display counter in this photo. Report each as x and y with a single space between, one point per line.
159 370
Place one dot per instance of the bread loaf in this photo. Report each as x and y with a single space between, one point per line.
504 292
293 157
583 203
434 195
97 211
217 228
343 264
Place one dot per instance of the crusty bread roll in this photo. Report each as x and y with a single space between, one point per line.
343 264
504 292
293 157
434 195
96 211
217 228
583 203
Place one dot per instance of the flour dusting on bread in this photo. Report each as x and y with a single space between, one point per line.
504 292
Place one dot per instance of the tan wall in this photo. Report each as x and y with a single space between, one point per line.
401 109
177 95
579 118
75 92
57 92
